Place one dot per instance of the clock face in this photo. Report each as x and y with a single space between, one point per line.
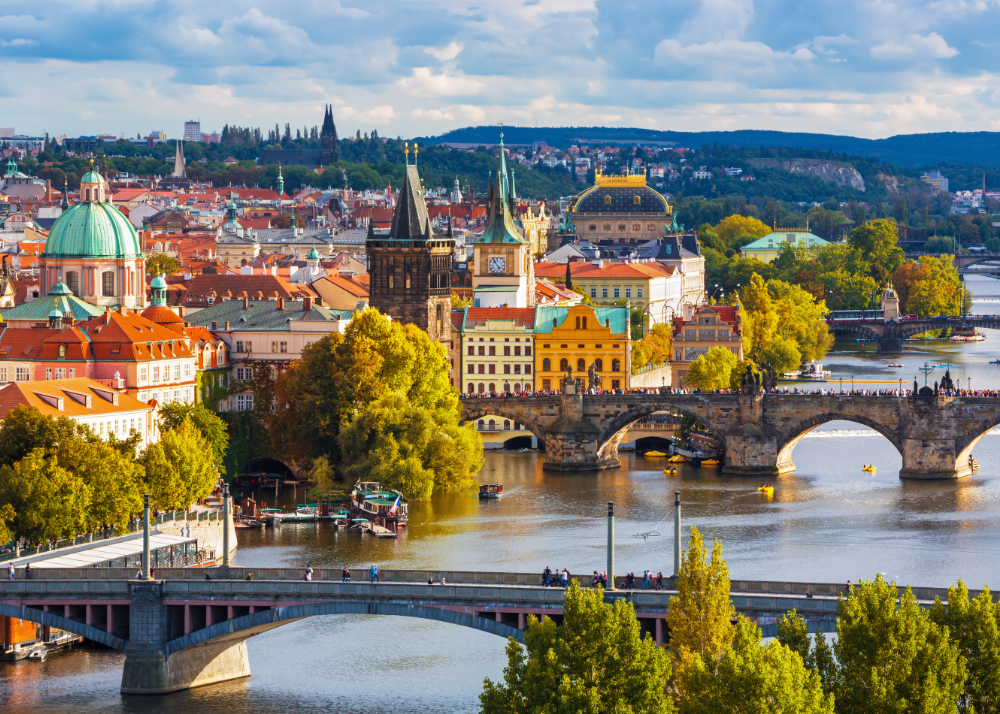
497 265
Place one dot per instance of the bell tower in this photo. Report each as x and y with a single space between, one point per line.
410 268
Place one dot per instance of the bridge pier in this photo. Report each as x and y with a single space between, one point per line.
149 669
889 343
572 442
928 459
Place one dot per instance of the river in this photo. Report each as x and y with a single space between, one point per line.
827 521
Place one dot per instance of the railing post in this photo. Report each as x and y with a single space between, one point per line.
227 515
677 533
145 536
611 545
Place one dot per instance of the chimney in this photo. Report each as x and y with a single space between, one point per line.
307 303
215 325
281 303
180 311
226 324
246 302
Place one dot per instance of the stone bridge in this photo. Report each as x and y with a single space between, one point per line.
889 336
183 630
934 434
960 261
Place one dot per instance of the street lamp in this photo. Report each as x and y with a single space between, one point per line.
852 384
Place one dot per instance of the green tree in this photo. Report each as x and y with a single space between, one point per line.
320 477
753 677
931 287
729 229
712 370
760 318
112 475
48 501
25 429
7 518
162 264
407 447
892 657
793 632
877 240
801 319
974 625
205 420
700 615
163 482
179 468
654 348
596 661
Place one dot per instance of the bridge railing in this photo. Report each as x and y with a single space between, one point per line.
739 588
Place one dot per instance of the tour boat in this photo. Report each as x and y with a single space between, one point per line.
490 491
383 506
813 370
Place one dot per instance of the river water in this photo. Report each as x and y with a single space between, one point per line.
827 521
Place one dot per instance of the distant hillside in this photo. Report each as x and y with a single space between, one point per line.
980 148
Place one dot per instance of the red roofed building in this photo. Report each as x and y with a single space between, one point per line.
710 326
205 290
497 350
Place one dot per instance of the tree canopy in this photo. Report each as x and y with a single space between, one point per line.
712 370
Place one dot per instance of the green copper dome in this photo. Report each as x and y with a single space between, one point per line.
93 229
92 177
313 254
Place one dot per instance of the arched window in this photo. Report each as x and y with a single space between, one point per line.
243 262
482 388
472 388
585 323
599 364
440 317
73 282
517 387
506 424
87 194
563 364
581 365
407 281
616 365
506 388
527 388
578 322
481 425
108 284
546 365
493 388
492 425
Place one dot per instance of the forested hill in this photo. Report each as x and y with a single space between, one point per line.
982 147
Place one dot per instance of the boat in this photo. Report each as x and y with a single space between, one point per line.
654 455
359 524
710 462
894 364
37 654
384 506
995 361
301 515
766 488
490 491
670 472
813 370
676 459
869 469
271 516
967 336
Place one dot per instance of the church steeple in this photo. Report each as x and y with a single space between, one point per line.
281 183
180 170
328 138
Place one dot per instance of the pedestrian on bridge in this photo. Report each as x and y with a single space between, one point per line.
595 580
547 576
564 577
345 575
308 575
659 581
11 573
373 573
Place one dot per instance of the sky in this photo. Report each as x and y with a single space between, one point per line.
870 68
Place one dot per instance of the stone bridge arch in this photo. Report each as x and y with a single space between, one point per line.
241 628
616 428
40 617
497 407
967 441
794 433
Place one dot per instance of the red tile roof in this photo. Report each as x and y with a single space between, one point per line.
523 315
630 271
73 394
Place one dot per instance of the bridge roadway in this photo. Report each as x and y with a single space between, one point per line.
181 630
934 434
889 336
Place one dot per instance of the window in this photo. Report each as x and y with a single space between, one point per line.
506 369
472 369
482 369
239 345
472 388
482 351
73 281
546 384
581 366
3 374
72 373
48 373
187 370
142 375
239 373
108 284
517 351
527 369
599 364
638 292
506 351
517 369
593 292
22 374
177 372
62 350
249 402
616 384
563 364
617 292
274 347
604 292
493 370
493 351
482 388
546 365
616 365
284 347
628 292
472 350
239 402
527 352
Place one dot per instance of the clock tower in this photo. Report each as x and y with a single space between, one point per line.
410 268
503 274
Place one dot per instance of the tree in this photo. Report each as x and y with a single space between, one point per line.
457 303
974 625
794 633
654 348
112 475
753 677
183 463
892 657
25 429
877 241
712 370
162 264
405 447
320 477
732 227
700 615
801 319
931 287
205 420
760 319
48 501
7 517
594 662
163 481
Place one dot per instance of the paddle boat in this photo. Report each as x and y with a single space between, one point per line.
710 462
868 468
654 455
766 488
676 459
670 472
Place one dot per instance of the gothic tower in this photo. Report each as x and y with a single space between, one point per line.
328 139
410 268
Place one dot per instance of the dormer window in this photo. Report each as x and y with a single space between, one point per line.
62 350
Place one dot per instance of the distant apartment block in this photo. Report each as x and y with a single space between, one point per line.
702 174
732 171
935 179
192 130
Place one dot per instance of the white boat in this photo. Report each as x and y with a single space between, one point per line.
813 370
491 491
894 364
968 338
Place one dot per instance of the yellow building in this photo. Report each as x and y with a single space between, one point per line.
580 337
497 354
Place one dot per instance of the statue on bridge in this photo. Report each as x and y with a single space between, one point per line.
593 378
947 384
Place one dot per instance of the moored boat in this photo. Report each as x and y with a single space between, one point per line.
491 491
383 506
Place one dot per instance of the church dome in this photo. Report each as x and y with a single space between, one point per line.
93 229
621 199
313 254
92 177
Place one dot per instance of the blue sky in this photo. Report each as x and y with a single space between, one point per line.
868 68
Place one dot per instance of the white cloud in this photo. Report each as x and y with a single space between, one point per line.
425 82
434 114
446 53
732 51
932 46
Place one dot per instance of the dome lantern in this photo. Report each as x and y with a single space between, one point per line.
92 186
158 287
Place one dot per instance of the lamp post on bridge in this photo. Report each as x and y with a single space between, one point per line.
611 545
145 536
677 533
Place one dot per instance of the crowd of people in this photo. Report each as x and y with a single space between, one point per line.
648 581
821 391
